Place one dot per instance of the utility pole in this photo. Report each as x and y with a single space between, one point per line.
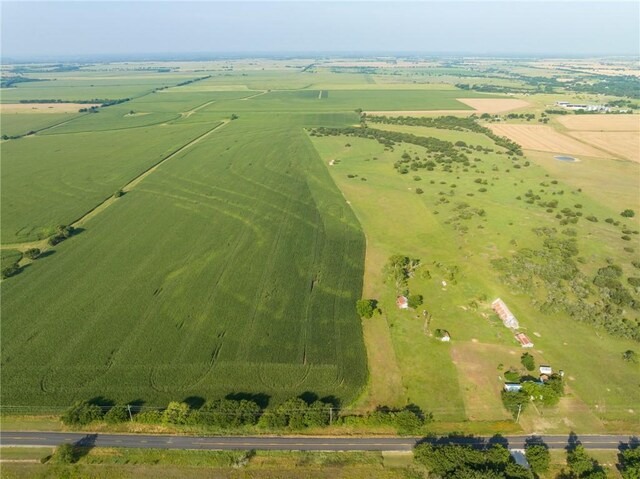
130 415
519 410
330 416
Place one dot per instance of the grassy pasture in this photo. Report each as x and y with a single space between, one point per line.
259 299
430 377
79 172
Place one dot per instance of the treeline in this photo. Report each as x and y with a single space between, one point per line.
11 81
187 82
451 123
601 300
294 414
448 460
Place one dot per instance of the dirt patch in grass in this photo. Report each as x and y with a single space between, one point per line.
479 378
545 138
43 107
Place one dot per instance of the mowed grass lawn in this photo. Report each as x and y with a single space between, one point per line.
461 379
233 268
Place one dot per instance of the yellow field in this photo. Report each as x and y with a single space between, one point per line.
42 107
601 122
479 105
621 143
545 138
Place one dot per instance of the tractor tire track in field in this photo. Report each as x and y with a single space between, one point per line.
43 245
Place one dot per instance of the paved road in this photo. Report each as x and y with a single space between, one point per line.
9 438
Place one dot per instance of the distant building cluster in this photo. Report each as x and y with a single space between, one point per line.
574 106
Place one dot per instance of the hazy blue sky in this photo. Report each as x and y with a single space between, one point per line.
50 29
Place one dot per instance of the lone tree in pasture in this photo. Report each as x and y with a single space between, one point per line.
234 116
399 269
118 194
366 307
32 253
528 361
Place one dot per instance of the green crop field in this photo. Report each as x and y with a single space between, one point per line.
248 230
13 124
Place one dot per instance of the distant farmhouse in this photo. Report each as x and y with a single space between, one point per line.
507 317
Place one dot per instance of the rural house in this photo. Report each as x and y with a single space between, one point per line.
508 319
546 370
446 337
402 302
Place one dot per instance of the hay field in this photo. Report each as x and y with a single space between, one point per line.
545 138
624 144
601 122
478 105
6 108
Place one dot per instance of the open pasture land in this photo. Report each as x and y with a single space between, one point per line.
239 263
545 138
455 245
48 180
478 105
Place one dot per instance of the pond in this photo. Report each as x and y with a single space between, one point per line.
565 158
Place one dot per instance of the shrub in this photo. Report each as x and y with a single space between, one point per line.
65 454
82 413
419 191
10 271
512 376
528 361
628 213
118 194
176 413
229 413
32 253
407 422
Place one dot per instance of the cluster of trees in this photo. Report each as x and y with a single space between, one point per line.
292 414
622 85
453 123
366 307
601 300
546 393
8 82
399 269
452 461
62 233
14 268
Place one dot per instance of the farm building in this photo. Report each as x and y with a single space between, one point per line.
507 317
512 387
402 302
524 341
446 337
546 370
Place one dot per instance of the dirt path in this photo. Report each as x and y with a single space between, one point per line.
43 245
253 96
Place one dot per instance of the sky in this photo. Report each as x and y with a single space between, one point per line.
63 29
